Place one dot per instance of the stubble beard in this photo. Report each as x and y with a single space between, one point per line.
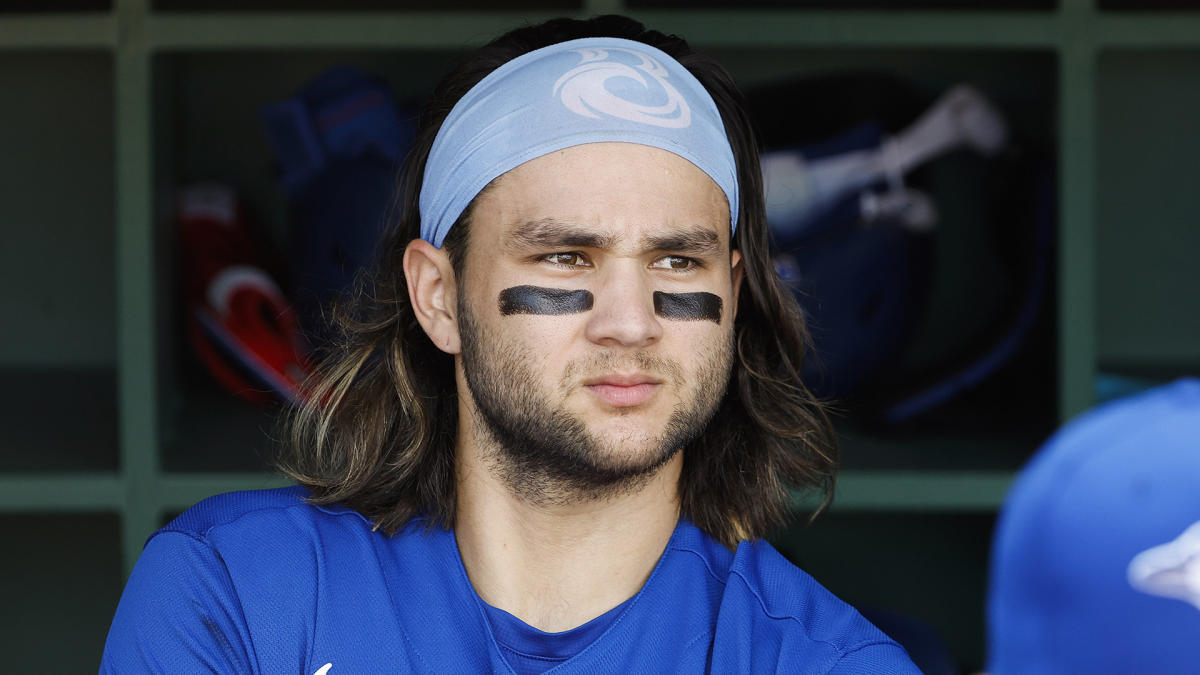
545 454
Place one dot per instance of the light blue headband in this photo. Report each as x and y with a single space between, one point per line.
590 90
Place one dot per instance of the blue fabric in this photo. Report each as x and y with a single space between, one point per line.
589 90
1114 483
530 651
261 582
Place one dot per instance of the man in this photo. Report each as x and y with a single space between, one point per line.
565 410
1096 557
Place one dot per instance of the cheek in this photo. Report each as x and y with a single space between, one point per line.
545 340
698 342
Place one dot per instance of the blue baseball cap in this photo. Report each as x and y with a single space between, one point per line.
1096 559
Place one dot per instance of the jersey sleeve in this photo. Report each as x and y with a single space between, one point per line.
879 658
179 613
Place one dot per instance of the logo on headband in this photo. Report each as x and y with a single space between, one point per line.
601 86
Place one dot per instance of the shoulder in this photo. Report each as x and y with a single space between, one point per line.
774 612
183 604
267 520
265 546
232 571
779 590
259 537
245 509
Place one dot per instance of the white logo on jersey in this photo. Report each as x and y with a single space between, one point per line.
582 90
1171 570
323 670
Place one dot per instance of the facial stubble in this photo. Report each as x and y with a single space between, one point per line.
543 452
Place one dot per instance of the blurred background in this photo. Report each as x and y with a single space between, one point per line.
987 207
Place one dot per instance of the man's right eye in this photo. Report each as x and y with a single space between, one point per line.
571 259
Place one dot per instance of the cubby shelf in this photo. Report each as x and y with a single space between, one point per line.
54 31
758 28
948 491
1083 58
62 492
723 28
1162 30
176 492
856 490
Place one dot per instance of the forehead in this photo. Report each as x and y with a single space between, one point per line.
626 191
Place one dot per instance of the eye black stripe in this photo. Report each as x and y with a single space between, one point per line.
688 306
538 300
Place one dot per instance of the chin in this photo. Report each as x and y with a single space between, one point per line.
634 448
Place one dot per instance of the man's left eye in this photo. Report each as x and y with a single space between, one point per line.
571 259
673 262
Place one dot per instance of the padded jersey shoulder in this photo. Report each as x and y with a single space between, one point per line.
789 596
234 584
191 602
787 593
774 613
229 508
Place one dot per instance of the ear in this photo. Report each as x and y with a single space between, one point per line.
433 293
736 272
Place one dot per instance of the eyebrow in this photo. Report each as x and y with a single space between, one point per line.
695 242
549 233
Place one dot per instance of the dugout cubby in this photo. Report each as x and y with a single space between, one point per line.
58 371
1147 234
62 578
208 128
927 569
977 269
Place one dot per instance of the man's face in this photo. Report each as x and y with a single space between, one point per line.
596 315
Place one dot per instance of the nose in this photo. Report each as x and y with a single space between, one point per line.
623 310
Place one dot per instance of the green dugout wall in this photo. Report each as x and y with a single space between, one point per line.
104 434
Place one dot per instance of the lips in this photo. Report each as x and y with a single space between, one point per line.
623 391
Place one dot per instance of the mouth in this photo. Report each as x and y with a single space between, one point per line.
623 391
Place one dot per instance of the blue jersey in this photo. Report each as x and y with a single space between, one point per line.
263 582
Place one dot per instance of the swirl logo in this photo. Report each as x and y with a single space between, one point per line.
585 90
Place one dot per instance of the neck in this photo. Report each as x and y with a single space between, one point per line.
557 566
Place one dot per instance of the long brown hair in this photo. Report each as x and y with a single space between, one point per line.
378 432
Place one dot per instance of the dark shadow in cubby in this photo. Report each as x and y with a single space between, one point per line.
58 346
931 567
62 579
